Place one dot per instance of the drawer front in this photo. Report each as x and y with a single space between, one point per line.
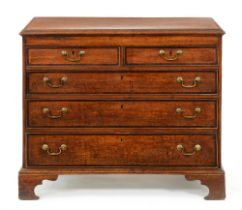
74 56
170 56
121 113
164 150
145 82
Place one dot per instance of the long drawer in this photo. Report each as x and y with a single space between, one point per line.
123 82
121 113
110 150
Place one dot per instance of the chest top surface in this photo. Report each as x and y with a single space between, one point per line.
103 25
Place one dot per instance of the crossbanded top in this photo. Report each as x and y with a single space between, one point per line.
118 25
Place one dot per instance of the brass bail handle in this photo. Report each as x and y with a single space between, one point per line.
180 148
45 147
49 83
65 54
194 83
170 57
46 111
197 110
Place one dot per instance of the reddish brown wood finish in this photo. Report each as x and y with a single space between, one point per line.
123 82
102 25
122 98
122 114
92 56
189 56
124 40
27 183
214 182
213 178
122 150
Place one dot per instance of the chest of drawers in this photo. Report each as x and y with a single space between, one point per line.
122 95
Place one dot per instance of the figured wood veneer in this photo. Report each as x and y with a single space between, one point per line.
93 56
122 114
122 95
125 82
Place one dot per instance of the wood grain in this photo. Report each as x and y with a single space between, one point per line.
28 182
149 56
123 82
77 25
123 150
93 56
122 98
213 178
124 40
122 114
214 182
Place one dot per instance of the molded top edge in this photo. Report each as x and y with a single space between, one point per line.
120 25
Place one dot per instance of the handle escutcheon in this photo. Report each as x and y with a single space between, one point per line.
180 148
169 56
49 83
45 147
194 83
197 110
78 56
46 111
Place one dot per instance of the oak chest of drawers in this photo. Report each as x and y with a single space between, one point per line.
122 95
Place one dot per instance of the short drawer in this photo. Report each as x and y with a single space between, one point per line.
127 150
171 56
74 56
121 113
105 83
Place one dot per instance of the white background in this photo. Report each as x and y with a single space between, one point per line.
120 191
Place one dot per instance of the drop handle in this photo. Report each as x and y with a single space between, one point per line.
45 147
196 111
49 83
78 56
195 82
169 56
46 111
180 148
